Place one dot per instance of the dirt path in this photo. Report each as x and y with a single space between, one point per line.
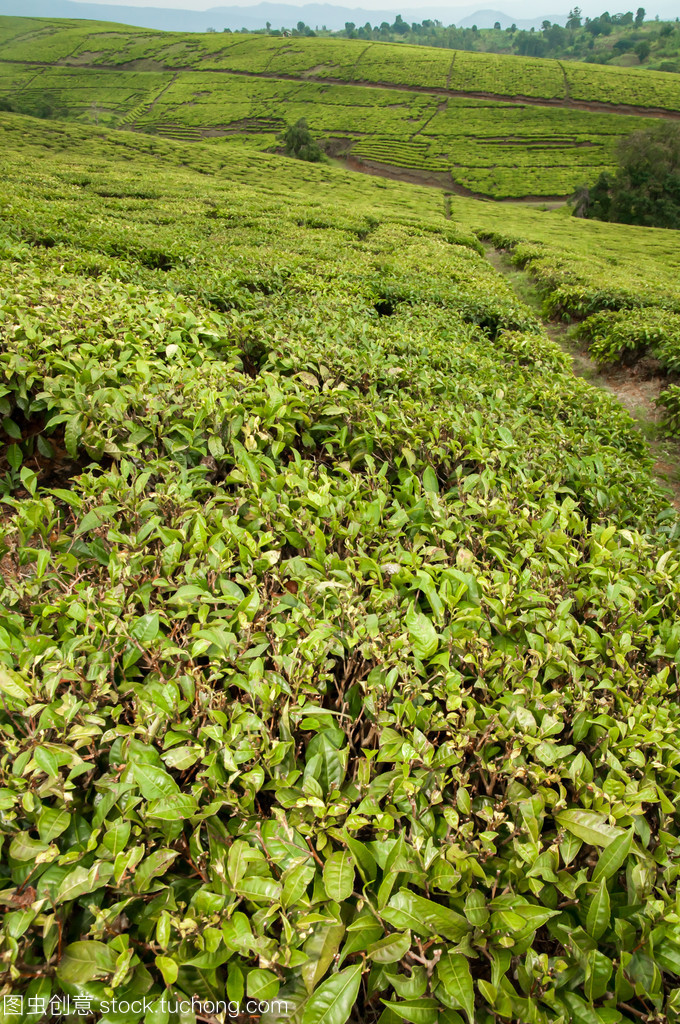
634 388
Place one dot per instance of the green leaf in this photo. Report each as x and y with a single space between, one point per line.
47 761
154 783
390 949
84 961
599 912
598 972
155 864
614 856
262 985
453 970
333 1001
23 847
321 947
11 429
14 456
146 628
215 446
72 434
51 823
326 765
12 685
415 1011
338 876
258 889
295 881
168 968
424 917
667 955
589 826
84 880
363 858
173 808
422 634
187 594
430 482
534 916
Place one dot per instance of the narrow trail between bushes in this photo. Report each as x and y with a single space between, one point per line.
636 389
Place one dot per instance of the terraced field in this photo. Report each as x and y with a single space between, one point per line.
505 127
338 619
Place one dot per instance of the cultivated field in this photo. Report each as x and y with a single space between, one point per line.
500 126
338 619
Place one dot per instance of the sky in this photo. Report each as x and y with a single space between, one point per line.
373 5
458 8
182 5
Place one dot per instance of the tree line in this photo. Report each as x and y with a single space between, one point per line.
626 38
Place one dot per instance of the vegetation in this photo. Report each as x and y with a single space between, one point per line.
646 186
620 284
460 124
624 39
300 144
338 623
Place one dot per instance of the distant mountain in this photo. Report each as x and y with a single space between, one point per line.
487 19
279 15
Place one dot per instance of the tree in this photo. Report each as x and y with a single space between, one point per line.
642 49
497 25
574 20
530 44
640 16
300 144
646 186
580 201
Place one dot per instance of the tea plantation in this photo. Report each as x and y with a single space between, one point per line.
491 125
338 620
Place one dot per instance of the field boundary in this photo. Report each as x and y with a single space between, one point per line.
598 106
432 179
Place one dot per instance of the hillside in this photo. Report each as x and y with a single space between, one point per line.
621 40
499 126
338 618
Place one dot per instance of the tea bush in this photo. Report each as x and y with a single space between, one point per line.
457 115
338 623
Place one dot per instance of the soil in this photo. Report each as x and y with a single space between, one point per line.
411 175
432 179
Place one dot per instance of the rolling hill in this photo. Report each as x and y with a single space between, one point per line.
490 125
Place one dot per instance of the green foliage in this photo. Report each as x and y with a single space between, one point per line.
627 335
461 116
338 620
669 401
38 104
300 144
646 186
